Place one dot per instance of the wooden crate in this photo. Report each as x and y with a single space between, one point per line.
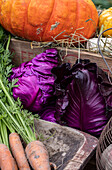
24 52
77 156
68 148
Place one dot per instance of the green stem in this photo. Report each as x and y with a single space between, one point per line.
7 94
101 30
4 133
12 103
8 126
25 127
1 140
23 135
9 113
8 43
16 125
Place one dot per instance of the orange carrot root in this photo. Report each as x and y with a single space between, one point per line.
18 151
7 162
37 155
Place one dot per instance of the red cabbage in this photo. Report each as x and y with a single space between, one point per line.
80 102
35 80
106 89
48 113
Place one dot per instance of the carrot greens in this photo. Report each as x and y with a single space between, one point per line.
16 118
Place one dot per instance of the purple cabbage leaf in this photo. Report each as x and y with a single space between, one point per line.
80 101
48 113
35 80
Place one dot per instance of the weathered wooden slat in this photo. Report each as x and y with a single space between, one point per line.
23 52
72 55
69 149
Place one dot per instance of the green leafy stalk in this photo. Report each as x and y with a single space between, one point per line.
8 43
8 125
1 140
101 30
4 133
3 128
20 120
5 91
13 105
18 127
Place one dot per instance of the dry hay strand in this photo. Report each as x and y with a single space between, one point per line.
69 41
78 42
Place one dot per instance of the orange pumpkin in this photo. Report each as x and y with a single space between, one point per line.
43 20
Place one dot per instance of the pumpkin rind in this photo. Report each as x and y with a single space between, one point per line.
105 19
40 20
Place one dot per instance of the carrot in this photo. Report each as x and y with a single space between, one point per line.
37 155
18 151
7 162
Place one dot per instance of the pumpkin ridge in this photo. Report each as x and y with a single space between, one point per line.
49 20
54 18
95 26
26 21
35 25
19 25
9 18
55 22
89 30
77 21
89 22
12 30
77 9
